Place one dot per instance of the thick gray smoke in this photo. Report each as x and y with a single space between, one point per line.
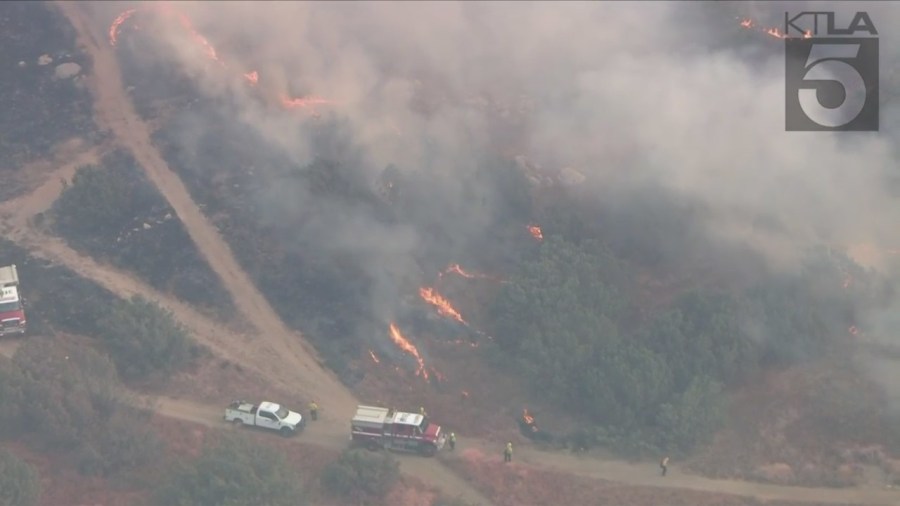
676 97
626 93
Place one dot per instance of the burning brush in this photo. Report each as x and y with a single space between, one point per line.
530 429
252 77
749 24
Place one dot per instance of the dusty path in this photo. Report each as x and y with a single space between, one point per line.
428 470
278 348
622 472
285 350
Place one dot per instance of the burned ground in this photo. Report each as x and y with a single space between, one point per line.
113 213
40 110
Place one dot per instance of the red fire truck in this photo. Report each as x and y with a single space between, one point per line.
375 428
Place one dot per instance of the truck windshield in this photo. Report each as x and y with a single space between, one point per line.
10 306
423 425
282 413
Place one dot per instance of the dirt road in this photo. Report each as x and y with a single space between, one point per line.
646 474
277 348
280 348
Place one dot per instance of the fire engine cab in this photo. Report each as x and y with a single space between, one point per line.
12 307
375 428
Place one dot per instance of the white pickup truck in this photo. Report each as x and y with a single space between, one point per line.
267 415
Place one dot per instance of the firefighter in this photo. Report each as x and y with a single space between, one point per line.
452 441
664 465
422 411
507 453
313 410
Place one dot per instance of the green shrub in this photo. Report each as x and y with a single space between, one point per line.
361 475
143 338
236 471
19 481
70 399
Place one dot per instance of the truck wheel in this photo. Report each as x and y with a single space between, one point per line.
286 432
428 450
238 423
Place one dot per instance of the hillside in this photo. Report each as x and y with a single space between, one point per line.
225 229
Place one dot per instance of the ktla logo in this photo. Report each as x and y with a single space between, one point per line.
831 81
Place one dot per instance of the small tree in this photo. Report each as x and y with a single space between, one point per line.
143 338
361 475
19 485
235 472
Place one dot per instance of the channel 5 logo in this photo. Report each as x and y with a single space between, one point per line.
831 74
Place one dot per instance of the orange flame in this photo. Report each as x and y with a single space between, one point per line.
252 77
536 232
117 23
303 102
443 305
372 354
528 418
853 331
848 280
408 347
456 269
772 32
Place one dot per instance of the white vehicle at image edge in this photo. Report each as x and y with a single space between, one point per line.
266 415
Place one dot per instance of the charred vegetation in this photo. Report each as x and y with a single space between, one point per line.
143 340
41 108
113 213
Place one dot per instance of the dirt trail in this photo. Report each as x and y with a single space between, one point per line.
646 474
285 350
428 470
279 349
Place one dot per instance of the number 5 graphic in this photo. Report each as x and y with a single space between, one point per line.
824 66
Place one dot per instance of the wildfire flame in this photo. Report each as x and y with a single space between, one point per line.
772 32
443 305
853 331
292 103
848 280
527 418
374 358
117 23
252 76
458 270
408 347
536 232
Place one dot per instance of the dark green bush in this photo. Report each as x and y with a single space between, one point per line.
236 471
144 339
19 481
361 475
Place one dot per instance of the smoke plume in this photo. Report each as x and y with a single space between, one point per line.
663 111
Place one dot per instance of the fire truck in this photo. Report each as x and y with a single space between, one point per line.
376 428
12 307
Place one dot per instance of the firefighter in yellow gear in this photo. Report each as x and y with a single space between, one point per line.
422 411
507 453
313 410
452 441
